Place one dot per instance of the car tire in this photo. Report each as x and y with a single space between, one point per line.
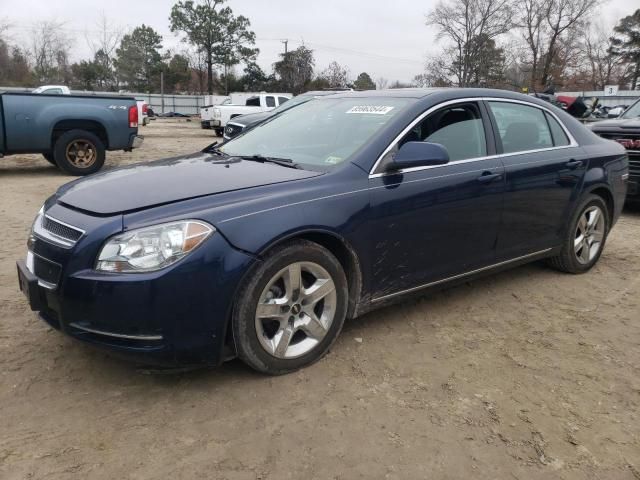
49 158
585 238
79 152
279 329
219 132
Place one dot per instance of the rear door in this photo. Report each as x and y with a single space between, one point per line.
433 223
544 169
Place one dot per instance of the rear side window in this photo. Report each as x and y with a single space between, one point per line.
521 127
53 91
253 102
282 100
458 128
271 101
559 137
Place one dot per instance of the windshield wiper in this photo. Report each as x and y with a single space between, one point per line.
285 162
213 148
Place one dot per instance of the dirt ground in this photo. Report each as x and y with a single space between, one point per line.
529 374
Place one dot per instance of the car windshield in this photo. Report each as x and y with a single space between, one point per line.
633 111
321 133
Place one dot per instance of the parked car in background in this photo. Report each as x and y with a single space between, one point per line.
346 203
52 90
626 131
217 116
239 124
143 116
70 131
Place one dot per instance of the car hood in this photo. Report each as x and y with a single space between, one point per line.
166 181
621 124
250 118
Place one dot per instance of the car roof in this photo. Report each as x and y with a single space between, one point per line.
419 93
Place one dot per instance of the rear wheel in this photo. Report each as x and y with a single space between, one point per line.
79 152
291 309
585 238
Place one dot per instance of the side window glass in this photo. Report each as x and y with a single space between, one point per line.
271 101
253 102
282 100
559 136
458 128
521 127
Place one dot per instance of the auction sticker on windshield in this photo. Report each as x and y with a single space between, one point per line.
371 109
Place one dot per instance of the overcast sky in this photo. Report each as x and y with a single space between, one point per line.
387 38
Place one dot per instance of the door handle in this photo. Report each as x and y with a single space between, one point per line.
573 164
488 177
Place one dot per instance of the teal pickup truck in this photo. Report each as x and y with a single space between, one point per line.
70 131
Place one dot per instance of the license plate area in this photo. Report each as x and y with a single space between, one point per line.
28 284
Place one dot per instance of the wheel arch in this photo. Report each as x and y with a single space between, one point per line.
341 249
93 126
603 191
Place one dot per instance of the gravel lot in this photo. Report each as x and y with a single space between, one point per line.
529 374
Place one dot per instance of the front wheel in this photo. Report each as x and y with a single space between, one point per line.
291 309
219 132
585 238
79 152
49 158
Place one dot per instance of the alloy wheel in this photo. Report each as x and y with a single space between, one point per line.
81 153
589 235
295 310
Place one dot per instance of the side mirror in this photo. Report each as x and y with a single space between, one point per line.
419 154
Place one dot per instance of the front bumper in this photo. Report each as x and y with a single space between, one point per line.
173 317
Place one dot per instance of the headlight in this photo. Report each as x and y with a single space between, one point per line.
152 248
216 113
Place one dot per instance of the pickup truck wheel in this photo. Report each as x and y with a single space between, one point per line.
290 309
49 158
219 132
79 152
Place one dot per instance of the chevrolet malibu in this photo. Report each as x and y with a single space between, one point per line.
261 247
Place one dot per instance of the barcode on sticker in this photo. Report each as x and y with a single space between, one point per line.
371 109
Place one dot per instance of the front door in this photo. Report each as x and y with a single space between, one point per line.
432 223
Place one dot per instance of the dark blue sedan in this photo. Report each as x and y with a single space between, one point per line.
261 247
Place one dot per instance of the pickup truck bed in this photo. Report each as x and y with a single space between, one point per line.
71 131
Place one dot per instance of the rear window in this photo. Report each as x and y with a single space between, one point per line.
560 138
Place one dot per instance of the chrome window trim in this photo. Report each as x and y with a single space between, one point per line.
116 335
422 116
460 275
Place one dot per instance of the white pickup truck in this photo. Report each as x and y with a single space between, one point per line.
217 116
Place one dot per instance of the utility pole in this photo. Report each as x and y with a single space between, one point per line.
162 90
286 47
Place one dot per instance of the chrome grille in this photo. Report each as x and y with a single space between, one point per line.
61 230
634 155
56 232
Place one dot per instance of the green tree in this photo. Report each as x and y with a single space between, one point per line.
364 82
295 69
626 44
177 73
139 61
255 79
214 30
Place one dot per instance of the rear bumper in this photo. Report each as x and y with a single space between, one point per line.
136 141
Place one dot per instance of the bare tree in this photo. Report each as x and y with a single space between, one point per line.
531 21
562 16
336 75
468 26
381 83
49 52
